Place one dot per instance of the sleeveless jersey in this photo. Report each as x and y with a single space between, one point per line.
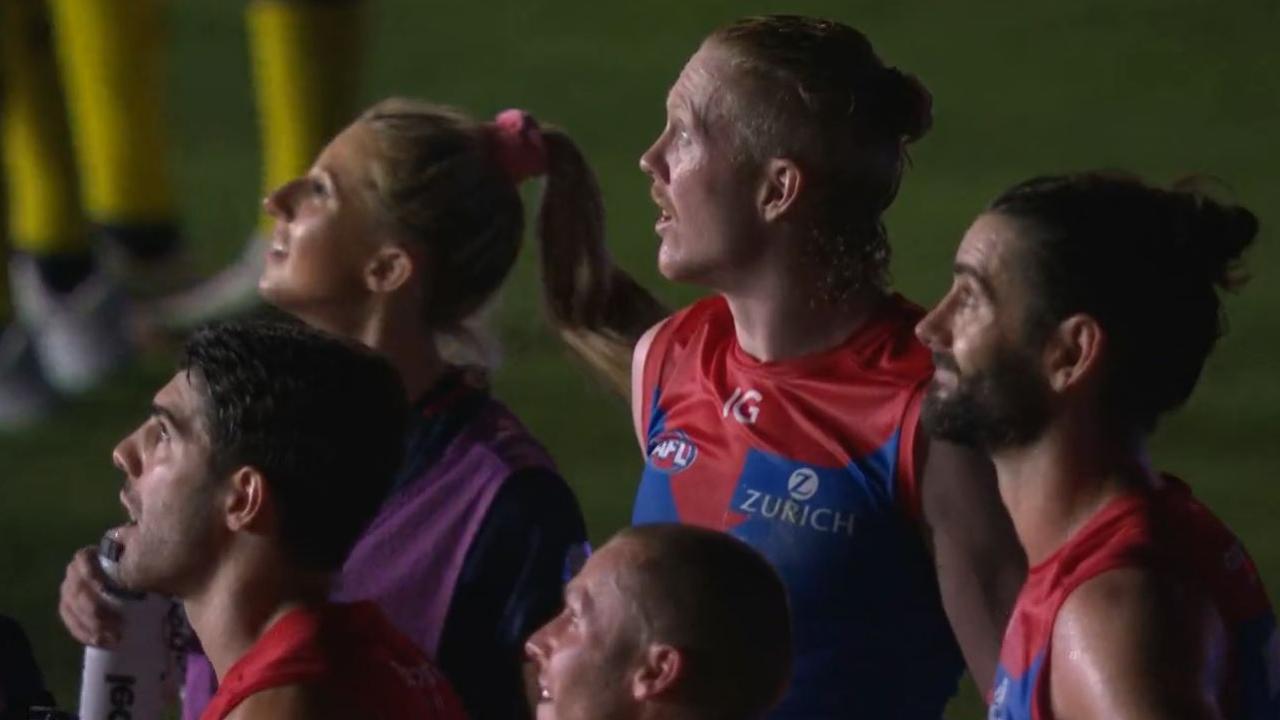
1168 529
354 652
810 462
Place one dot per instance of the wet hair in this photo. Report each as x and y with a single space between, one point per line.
722 605
816 92
1146 263
322 418
439 175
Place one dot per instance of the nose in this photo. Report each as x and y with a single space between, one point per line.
536 648
279 202
652 162
931 330
126 457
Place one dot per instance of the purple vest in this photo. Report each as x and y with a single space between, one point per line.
409 558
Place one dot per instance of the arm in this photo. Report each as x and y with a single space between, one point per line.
1127 646
638 400
979 563
511 583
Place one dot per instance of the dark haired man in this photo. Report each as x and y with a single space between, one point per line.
1139 602
666 621
262 460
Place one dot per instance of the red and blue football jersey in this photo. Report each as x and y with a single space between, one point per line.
810 461
1168 529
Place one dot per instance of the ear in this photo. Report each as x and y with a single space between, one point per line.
246 503
1073 353
661 667
389 269
779 189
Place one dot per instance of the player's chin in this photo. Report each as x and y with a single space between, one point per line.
679 267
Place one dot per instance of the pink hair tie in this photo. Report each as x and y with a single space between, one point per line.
519 145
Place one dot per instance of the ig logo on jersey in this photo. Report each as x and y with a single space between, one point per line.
671 452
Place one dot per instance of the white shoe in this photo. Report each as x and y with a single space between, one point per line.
231 291
79 338
25 396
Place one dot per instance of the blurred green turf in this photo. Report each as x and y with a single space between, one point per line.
1163 87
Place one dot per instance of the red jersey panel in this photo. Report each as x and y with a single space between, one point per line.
810 462
1169 530
355 652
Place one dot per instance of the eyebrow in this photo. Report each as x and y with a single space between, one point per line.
972 273
167 414
332 179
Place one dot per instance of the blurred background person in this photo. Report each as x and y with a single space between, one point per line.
1082 311
666 621
93 208
402 230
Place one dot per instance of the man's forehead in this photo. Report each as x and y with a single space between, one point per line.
602 569
989 245
184 397
699 80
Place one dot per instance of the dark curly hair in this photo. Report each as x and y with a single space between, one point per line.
322 418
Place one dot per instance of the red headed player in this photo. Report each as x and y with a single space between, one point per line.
784 410
1082 310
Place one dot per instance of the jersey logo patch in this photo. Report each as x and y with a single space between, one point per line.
672 452
803 484
743 406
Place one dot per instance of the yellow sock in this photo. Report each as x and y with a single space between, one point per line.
44 215
112 54
306 63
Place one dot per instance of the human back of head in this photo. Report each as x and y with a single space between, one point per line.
722 605
1145 263
814 91
451 184
320 418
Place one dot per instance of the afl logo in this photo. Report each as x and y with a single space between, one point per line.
672 452
802 484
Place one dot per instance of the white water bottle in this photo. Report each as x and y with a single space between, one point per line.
132 680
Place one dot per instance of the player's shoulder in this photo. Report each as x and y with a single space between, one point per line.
707 314
886 349
319 700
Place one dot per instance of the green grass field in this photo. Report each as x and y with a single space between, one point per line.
1163 87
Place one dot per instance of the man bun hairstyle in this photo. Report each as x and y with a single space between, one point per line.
817 93
1146 263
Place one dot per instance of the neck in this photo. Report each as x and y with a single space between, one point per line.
776 321
658 710
243 600
1054 486
399 335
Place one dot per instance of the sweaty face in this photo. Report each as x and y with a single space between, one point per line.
327 225
585 656
988 389
705 197
169 494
